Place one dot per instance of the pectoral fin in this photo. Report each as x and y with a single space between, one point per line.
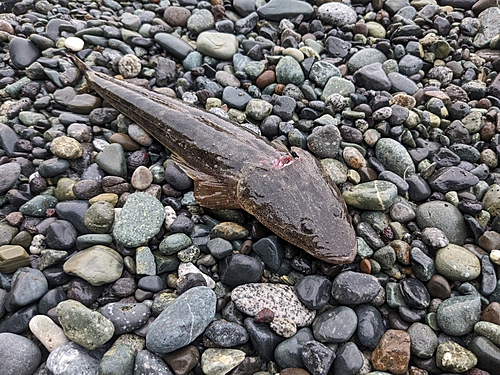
209 191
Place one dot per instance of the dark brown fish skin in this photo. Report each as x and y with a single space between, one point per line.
234 168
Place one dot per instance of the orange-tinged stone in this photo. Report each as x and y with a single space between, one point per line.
265 79
392 353
365 266
127 143
13 257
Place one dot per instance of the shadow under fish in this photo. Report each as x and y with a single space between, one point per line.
233 168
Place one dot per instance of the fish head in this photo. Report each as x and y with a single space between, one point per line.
295 199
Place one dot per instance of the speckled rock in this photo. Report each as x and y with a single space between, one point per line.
375 195
454 358
216 361
280 299
140 220
81 325
394 156
392 352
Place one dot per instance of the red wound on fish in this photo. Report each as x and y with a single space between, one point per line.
282 161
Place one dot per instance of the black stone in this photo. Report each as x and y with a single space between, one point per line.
226 334
371 325
271 251
240 269
349 359
418 189
313 291
264 339
61 235
317 357
452 179
414 293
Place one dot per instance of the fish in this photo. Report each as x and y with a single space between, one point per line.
234 168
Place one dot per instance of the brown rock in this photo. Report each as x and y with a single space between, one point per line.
127 143
403 250
13 257
417 371
476 371
293 371
250 365
491 313
481 5
439 287
7 27
176 16
182 360
264 316
14 218
487 131
392 352
265 79
365 266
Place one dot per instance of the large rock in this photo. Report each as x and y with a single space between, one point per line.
182 321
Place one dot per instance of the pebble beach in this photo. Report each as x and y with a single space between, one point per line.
109 265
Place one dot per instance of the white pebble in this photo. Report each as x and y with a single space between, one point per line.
74 44
495 256
37 244
48 332
170 216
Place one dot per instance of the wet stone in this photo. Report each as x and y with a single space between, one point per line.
126 317
373 195
226 334
271 252
182 321
288 352
371 325
456 316
313 291
317 357
335 326
280 299
453 357
353 288
84 326
392 352
349 359
239 269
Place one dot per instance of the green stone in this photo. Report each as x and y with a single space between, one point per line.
50 257
454 358
489 330
38 205
337 85
97 265
165 263
258 109
174 243
457 263
99 217
119 359
83 326
87 240
289 70
112 160
145 261
372 195
394 156
140 220
457 316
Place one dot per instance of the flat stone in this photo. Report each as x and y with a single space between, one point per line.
182 321
313 291
280 299
457 263
8 140
218 45
13 257
97 264
452 179
112 160
140 220
173 45
276 10
489 330
83 326
376 195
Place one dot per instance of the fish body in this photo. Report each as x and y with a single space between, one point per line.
232 168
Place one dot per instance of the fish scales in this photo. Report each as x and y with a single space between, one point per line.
232 167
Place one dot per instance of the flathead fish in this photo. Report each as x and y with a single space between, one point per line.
234 168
